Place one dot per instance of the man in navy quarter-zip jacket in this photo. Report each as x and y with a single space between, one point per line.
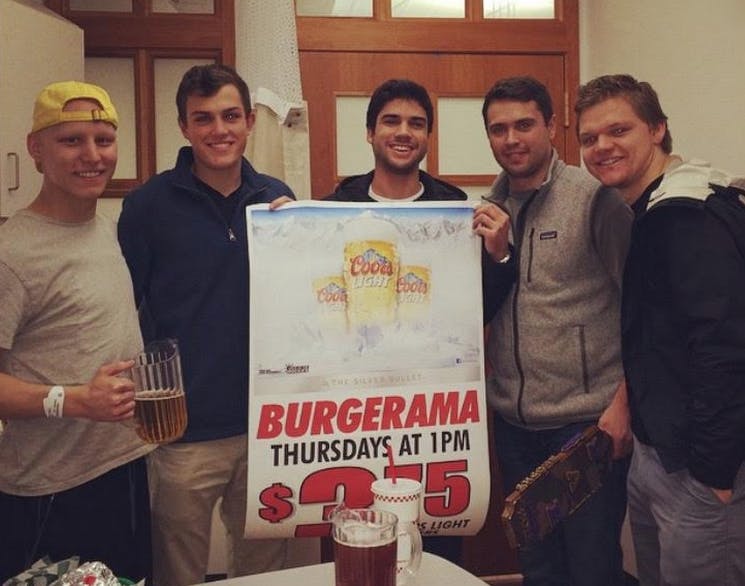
554 345
183 234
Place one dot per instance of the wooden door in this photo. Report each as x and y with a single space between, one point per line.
330 75
452 58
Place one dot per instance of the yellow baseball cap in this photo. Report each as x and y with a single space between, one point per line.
50 104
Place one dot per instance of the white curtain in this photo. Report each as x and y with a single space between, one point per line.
267 58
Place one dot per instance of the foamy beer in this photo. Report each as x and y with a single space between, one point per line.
330 293
160 403
371 268
365 546
414 291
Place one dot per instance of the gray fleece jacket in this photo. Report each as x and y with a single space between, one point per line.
555 343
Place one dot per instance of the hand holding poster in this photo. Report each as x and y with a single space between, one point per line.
365 332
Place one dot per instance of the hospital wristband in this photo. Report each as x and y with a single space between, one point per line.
54 401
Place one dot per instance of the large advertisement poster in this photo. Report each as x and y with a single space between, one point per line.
366 361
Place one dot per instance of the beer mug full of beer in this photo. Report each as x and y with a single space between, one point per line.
365 547
160 404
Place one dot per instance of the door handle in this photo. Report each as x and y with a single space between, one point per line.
17 171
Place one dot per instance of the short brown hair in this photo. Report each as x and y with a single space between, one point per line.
205 81
398 89
519 89
640 94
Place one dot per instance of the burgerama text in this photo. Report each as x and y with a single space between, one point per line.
373 414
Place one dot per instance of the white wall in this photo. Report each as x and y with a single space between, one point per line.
691 51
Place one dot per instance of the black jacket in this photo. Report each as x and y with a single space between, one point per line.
356 188
683 329
190 277
497 279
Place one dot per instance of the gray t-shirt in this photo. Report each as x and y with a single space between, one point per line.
67 308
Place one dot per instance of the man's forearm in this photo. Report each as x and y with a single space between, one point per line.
20 399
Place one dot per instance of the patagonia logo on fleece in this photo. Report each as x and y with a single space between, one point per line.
548 235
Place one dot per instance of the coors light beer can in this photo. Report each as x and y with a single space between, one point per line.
371 267
413 289
330 292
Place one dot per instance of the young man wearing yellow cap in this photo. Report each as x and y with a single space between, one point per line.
72 476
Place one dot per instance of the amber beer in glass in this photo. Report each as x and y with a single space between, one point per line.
414 293
371 265
364 547
330 294
160 403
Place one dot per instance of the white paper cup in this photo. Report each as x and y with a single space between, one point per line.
402 497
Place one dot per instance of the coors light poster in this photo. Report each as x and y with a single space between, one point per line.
365 336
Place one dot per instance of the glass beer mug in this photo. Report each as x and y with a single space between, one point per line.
364 547
160 403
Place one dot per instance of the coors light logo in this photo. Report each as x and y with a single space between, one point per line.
331 302
414 291
370 274
371 263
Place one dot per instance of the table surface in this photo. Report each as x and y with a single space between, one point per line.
434 571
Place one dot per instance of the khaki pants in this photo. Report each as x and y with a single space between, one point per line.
186 480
